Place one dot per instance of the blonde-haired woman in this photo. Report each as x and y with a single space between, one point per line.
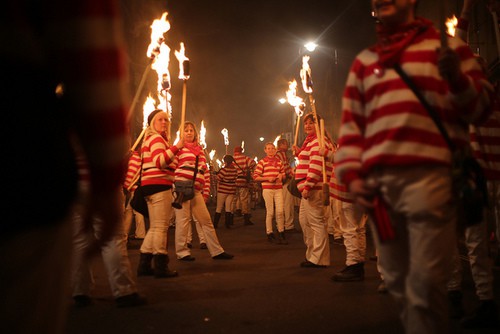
157 178
191 161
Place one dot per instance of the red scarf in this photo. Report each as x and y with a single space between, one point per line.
193 147
393 40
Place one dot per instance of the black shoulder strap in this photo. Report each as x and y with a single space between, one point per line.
428 107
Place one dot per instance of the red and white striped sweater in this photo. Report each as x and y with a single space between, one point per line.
270 167
133 169
310 166
245 164
383 122
158 164
185 161
226 178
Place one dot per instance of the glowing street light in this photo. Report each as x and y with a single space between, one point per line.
310 46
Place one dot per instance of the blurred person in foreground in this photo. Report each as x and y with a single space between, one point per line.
79 44
391 151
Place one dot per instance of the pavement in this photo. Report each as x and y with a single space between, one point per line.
262 290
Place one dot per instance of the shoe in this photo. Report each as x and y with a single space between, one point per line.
352 273
309 264
485 316
271 238
130 300
82 301
203 245
187 258
190 245
161 267
455 306
281 238
223 256
382 288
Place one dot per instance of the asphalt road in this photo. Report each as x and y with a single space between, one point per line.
262 290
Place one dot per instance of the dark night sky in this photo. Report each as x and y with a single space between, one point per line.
243 54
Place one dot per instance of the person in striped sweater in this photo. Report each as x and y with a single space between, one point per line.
129 186
190 160
308 174
245 165
157 176
288 199
352 222
392 149
226 188
271 172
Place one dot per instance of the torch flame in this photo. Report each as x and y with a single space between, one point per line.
305 75
148 107
294 100
177 137
225 133
203 132
276 140
158 28
211 154
183 62
219 163
451 25
242 146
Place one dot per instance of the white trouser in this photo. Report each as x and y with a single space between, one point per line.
199 231
198 209
160 210
224 201
332 217
242 196
129 215
313 224
476 242
114 255
353 228
274 203
288 207
416 265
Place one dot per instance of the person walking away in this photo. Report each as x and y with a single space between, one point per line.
226 189
129 186
245 166
391 151
157 177
191 161
312 210
270 172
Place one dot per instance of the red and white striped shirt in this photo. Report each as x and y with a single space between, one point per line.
226 178
384 123
270 167
310 166
286 163
133 170
245 164
186 161
485 142
158 164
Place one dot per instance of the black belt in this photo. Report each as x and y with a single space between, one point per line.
201 171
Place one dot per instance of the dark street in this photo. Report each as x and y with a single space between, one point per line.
262 290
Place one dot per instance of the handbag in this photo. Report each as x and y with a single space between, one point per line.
184 190
469 181
138 201
292 187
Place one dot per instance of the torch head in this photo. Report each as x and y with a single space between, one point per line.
186 67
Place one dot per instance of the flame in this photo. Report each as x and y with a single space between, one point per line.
294 100
242 146
305 75
158 28
148 107
177 137
183 62
256 160
203 132
225 133
276 141
219 163
451 25
211 154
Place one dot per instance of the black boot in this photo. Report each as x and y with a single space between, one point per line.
455 306
161 267
231 219
144 268
352 273
227 219
246 218
281 238
216 219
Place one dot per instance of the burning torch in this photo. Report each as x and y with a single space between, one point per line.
184 69
297 103
307 85
225 133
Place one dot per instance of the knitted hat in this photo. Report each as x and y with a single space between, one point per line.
153 114
238 149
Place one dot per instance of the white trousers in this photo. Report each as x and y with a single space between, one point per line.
314 229
352 224
288 207
198 209
416 266
160 210
274 206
